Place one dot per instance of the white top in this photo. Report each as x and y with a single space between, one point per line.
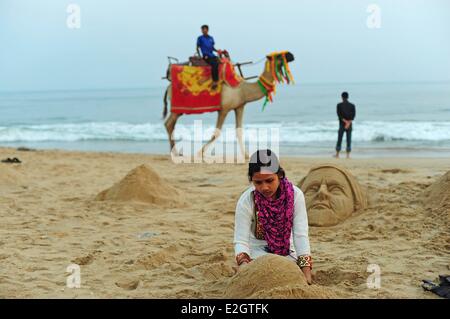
244 237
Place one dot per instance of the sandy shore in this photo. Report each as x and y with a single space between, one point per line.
51 219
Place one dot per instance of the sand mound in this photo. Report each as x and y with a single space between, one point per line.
272 276
438 194
144 185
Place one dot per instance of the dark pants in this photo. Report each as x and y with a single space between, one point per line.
214 63
341 135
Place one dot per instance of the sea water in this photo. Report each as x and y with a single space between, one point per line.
393 119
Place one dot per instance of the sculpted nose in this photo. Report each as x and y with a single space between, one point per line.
323 192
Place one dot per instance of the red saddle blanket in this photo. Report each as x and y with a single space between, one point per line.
191 87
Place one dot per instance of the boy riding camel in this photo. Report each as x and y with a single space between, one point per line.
205 44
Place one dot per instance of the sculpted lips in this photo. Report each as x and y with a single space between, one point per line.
321 206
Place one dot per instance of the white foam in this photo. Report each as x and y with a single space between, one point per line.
290 132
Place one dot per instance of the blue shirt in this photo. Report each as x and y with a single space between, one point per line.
206 44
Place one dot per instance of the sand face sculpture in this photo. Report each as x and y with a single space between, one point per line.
272 276
332 195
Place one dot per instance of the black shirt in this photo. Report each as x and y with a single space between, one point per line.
346 110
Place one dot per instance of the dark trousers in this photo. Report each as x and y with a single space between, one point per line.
348 134
214 63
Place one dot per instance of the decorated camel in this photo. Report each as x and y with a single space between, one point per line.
232 95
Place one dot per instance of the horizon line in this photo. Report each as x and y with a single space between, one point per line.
163 86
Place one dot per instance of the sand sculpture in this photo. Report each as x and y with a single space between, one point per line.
332 195
272 276
438 194
142 184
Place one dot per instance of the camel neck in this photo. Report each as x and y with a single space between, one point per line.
252 91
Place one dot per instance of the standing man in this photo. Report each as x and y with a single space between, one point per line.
346 112
205 44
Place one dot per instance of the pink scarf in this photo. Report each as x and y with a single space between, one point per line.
276 218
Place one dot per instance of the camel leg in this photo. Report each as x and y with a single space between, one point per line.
239 112
220 120
170 127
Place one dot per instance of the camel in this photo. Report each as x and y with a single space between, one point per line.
233 99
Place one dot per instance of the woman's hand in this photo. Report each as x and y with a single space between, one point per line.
307 272
242 260
305 263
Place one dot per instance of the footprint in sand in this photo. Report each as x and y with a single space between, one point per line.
156 259
334 276
218 256
85 260
215 271
395 171
128 284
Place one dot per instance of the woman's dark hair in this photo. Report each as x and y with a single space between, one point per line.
345 95
205 26
265 159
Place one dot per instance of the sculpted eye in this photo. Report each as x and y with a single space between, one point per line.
335 189
312 189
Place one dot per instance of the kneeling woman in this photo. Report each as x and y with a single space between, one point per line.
271 216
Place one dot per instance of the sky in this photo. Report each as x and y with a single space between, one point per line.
125 43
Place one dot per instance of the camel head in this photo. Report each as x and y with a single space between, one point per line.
278 62
276 71
289 56
281 56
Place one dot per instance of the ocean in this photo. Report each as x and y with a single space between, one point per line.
393 119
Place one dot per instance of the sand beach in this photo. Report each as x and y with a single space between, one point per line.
140 226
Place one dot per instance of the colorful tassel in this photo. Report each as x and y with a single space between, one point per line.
283 75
